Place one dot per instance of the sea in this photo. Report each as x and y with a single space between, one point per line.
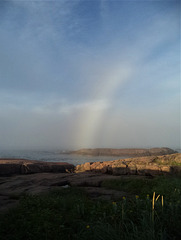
55 156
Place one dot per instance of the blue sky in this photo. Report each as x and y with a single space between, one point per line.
93 73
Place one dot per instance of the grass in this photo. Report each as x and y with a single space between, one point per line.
168 162
71 214
168 186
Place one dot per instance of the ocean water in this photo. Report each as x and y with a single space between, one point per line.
55 156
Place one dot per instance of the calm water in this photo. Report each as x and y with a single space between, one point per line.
51 156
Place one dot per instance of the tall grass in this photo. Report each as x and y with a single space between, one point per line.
71 214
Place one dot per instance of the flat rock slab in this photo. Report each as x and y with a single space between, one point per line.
14 186
23 166
104 193
7 202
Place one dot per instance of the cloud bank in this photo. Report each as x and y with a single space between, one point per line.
79 74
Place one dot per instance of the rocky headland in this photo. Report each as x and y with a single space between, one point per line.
147 166
130 152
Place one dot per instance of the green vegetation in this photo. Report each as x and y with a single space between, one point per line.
169 187
167 162
71 214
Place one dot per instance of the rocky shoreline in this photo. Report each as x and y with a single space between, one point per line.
147 165
21 176
10 167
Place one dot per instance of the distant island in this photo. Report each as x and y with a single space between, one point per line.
136 152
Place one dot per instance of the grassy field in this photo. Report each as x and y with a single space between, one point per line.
152 211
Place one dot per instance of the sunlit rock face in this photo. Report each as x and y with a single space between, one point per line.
124 152
147 165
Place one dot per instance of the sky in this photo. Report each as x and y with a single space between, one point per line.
89 73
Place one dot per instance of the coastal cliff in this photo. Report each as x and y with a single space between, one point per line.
136 152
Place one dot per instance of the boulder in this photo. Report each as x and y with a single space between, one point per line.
22 166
